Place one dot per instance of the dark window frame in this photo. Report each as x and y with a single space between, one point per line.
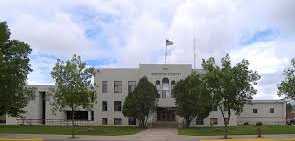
78 115
131 121
104 106
272 110
255 110
92 115
104 86
104 121
131 87
117 106
118 86
117 121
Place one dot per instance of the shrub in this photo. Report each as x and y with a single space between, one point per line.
246 123
259 124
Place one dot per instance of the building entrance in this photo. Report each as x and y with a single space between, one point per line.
165 114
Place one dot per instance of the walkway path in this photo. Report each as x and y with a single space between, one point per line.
158 134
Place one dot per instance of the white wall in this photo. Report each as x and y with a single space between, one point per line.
263 115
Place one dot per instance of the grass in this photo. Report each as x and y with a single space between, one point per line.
99 130
237 130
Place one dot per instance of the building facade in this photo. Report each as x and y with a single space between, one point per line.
113 85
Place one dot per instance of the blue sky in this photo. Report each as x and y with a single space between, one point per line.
112 33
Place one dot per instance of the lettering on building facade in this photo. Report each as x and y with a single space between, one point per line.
166 74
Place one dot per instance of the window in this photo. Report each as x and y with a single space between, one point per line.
271 110
79 115
158 82
117 121
132 121
199 121
131 86
117 106
92 115
104 106
117 86
213 121
104 86
104 121
255 111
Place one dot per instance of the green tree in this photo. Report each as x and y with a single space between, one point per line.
73 86
141 102
289 108
192 99
14 68
230 86
287 86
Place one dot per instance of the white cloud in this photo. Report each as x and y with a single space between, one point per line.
135 32
263 57
269 59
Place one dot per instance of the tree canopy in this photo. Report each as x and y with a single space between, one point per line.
141 102
230 86
287 86
14 69
192 99
73 86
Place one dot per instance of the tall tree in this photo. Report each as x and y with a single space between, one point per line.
192 99
141 102
230 86
14 68
73 86
289 109
287 86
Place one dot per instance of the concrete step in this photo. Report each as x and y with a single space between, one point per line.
164 124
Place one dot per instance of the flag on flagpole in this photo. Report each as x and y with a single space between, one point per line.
169 43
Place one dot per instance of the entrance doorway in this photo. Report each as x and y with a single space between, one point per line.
165 114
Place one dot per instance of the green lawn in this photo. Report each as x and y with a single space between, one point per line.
104 131
237 130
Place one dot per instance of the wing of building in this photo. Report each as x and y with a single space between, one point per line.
112 86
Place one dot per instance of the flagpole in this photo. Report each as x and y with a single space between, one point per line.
195 48
165 53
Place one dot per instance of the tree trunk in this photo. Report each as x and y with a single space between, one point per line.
141 123
73 123
258 132
225 136
225 130
187 122
226 122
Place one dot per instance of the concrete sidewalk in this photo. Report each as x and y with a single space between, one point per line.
50 137
152 134
277 136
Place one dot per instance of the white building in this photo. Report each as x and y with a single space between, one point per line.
112 86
